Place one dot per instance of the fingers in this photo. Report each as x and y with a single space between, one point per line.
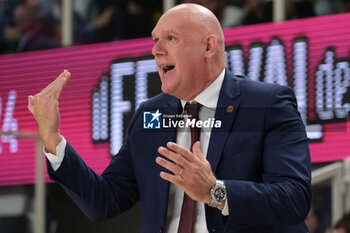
177 180
44 107
174 168
55 88
195 177
50 92
181 150
63 79
174 157
61 82
197 151
179 157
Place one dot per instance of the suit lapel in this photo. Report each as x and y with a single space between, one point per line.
226 110
168 135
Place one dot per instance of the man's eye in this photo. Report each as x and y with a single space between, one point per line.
171 38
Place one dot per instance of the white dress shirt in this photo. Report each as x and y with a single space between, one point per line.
208 99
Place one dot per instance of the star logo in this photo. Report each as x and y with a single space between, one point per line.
156 115
152 120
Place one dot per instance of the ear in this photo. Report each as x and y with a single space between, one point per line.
211 45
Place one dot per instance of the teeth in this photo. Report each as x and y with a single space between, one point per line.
166 68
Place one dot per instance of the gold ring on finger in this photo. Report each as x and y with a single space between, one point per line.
181 171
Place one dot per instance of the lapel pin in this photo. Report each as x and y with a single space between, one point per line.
230 108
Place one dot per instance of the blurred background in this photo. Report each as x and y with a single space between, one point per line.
300 41
27 25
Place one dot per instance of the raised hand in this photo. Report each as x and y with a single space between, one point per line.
44 107
191 170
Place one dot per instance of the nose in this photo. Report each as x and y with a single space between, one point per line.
158 49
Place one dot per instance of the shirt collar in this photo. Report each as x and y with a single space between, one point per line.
209 97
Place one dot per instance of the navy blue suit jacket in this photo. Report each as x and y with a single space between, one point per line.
261 152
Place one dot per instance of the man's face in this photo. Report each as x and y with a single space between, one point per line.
179 54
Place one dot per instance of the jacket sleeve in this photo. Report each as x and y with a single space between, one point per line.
284 193
99 196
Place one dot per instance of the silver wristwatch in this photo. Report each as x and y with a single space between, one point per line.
218 194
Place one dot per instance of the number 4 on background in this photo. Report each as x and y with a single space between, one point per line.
9 123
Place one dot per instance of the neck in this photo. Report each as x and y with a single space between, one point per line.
203 86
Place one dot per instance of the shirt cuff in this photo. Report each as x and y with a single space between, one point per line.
225 210
56 160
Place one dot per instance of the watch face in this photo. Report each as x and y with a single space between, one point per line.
219 194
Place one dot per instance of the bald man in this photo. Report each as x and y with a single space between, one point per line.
250 172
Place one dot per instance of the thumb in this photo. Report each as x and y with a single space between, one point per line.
196 150
31 104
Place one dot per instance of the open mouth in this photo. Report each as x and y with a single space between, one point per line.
167 68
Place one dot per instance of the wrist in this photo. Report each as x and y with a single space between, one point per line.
51 142
208 198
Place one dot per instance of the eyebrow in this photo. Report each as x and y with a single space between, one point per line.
167 32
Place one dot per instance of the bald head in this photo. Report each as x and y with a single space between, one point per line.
189 50
201 18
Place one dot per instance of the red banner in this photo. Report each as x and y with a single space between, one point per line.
110 80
